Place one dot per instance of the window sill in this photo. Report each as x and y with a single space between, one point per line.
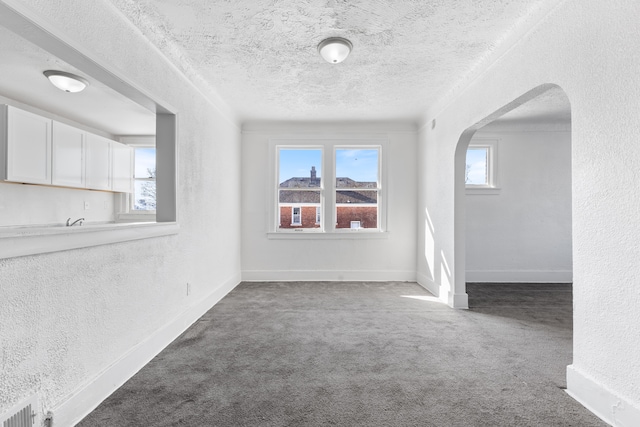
33 240
126 217
338 235
482 190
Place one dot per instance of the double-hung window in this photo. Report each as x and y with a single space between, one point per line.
328 187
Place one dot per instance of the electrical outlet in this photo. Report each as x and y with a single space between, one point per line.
86 206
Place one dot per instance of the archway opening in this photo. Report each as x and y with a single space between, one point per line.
514 216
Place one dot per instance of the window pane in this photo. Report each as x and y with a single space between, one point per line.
476 169
291 197
300 168
144 195
145 163
303 216
357 168
299 193
357 206
366 216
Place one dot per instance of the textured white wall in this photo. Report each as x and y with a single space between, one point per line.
391 258
67 316
589 49
523 233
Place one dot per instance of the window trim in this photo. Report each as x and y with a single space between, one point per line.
328 197
274 189
125 212
492 167
378 189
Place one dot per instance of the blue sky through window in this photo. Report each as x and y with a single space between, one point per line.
476 173
358 164
145 158
297 163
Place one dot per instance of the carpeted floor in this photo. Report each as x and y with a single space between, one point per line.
361 354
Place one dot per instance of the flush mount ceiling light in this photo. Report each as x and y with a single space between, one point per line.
335 49
66 81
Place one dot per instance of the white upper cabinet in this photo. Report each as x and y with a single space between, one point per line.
121 167
37 150
98 162
25 143
68 168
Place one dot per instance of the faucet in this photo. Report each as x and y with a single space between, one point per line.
71 224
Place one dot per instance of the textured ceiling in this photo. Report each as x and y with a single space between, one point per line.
260 56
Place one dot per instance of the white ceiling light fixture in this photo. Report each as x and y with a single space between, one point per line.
335 49
66 81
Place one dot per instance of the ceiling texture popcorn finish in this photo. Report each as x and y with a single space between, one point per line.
260 56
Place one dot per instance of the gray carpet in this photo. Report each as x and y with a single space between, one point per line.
361 354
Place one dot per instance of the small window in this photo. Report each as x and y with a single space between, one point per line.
144 193
296 216
480 168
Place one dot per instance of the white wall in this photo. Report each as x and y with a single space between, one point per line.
75 324
316 258
587 48
522 233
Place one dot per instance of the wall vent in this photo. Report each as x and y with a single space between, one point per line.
24 414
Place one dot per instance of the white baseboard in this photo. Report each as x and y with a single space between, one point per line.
519 276
459 300
427 283
328 276
453 300
90 394
603 402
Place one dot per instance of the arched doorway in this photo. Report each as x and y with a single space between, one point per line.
513 220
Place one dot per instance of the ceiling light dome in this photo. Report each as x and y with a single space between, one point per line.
335 49
66 81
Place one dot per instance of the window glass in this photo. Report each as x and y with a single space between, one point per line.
357 188
144 195
476 171
299 188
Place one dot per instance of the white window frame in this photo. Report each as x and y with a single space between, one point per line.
328 211
491 187
318 214
126 212
276 175
377 189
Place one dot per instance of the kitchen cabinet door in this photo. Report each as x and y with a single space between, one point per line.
26 146
97 162
68 156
